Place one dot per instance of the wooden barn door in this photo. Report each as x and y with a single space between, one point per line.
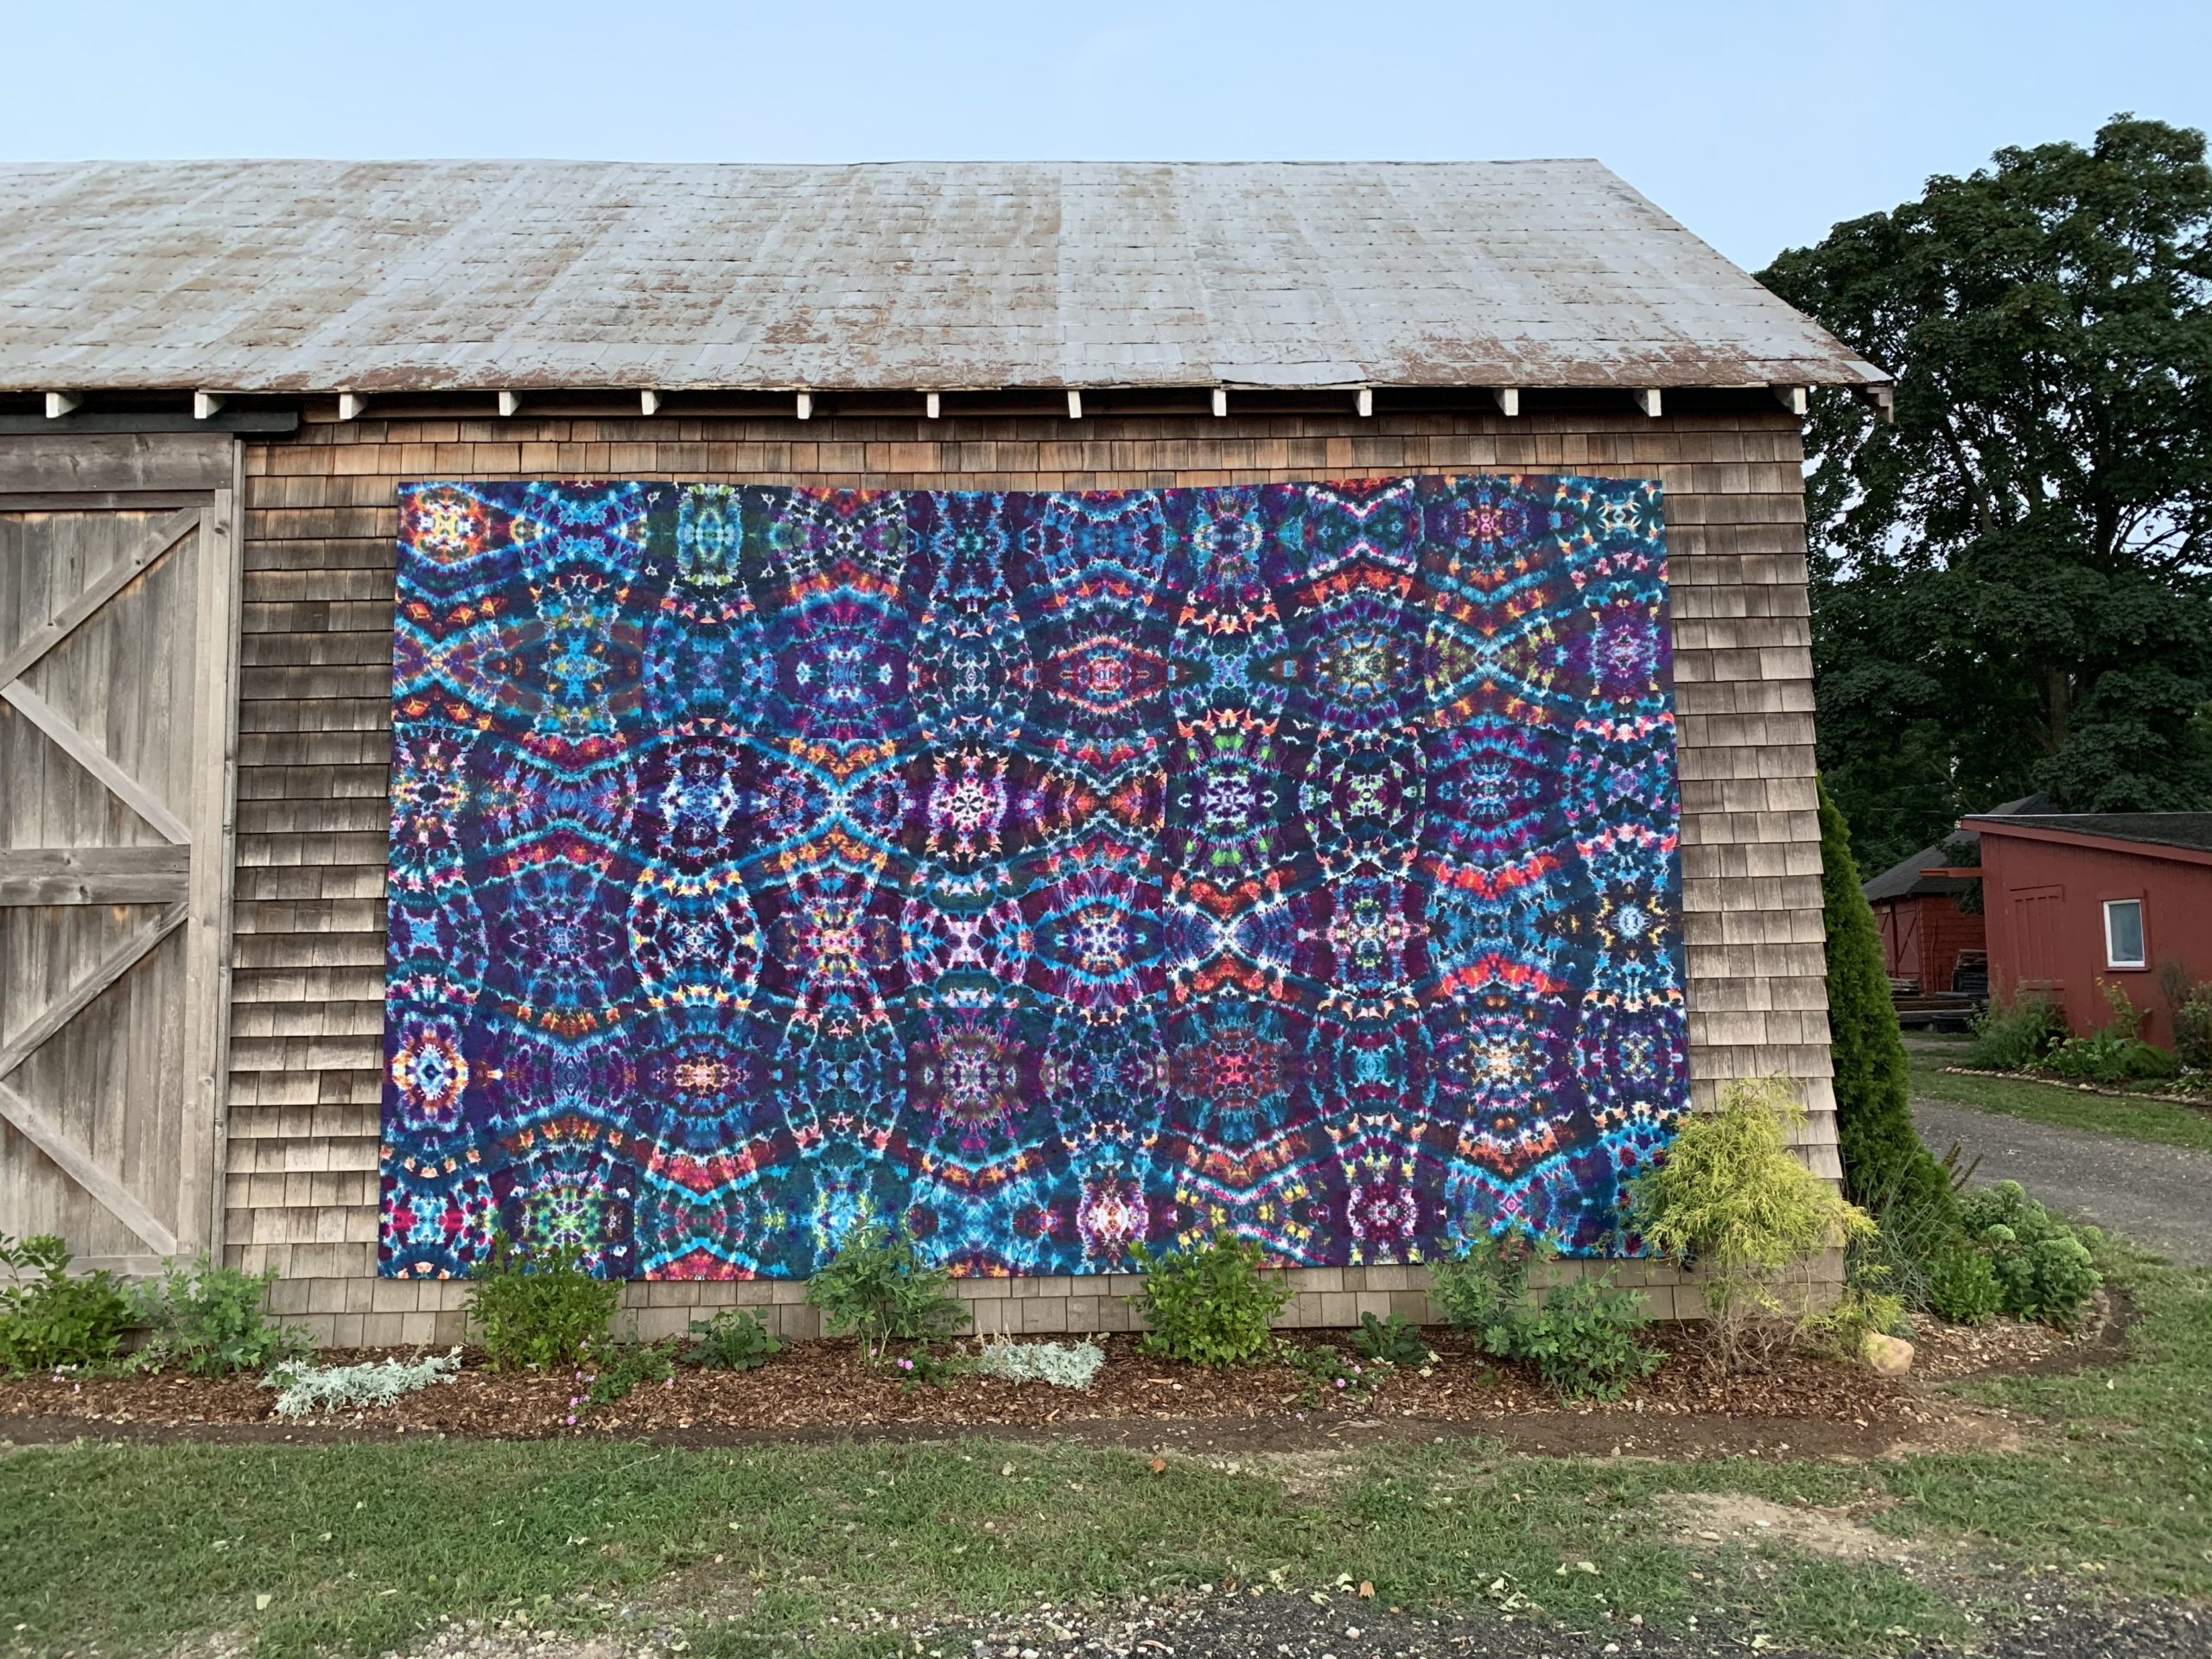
118 594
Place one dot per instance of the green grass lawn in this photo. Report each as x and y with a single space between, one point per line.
2162 1121
359 1548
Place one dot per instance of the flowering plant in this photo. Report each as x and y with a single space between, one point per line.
1331 1374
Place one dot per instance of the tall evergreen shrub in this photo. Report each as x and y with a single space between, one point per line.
1885 1168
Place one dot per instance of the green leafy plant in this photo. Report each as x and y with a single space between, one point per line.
1961 1286
302 1390
1393 1341
735 1339
1730 1199
1063 1364
2114 1053
1863 1309
923 1366
1586 1339
1917 1246
626 1368
1331 1374
877 1286
49 1318
2043 1267
210 1321
1484 1290
538 1307
2016 1036
1209 1305
2189 1009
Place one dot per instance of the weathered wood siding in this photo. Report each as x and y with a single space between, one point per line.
315 737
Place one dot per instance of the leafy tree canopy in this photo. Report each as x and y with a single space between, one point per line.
2013 584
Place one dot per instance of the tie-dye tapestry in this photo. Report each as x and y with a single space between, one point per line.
1051 872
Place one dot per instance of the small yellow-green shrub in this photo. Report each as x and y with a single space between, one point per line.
1730 1200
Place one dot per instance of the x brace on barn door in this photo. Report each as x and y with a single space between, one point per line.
93 875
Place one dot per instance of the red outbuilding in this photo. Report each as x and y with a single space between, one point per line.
2071 899
1932 942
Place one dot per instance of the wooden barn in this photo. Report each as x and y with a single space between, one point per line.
1934 946
2081 902
215 377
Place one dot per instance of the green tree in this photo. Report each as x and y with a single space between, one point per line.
1885 1168
2011 583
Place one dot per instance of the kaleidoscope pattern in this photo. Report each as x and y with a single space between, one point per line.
1055 872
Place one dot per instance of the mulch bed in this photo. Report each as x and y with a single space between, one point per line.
822 1388
2015 1348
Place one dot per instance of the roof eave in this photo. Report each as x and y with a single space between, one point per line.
2089 840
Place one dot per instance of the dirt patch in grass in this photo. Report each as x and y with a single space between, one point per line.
1713 1520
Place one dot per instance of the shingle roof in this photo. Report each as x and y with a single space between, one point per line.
1909 877
2190 829
299 277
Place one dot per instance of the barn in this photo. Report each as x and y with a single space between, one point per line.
2081 904
1336 641
1932 939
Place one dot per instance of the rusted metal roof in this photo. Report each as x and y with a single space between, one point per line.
317 276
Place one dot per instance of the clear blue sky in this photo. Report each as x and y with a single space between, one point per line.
1759 125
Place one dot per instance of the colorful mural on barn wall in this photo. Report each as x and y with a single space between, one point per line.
1056 871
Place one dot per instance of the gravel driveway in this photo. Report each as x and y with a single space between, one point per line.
2158 1197
1289 1627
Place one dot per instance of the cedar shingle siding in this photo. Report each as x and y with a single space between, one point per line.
313 745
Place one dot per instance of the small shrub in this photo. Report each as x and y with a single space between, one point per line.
1484 1289
1918 1248
54 1319
628 1368
733 1340
2114 1053
539 1308
1961 1286
1063 1364
1208 1306
2015 1036
2189 1008
923 1367
1730 1198
304 1389
1329 1375
1391 1341
878 1287
209 1321
2043 1268
1865 1309
1908 1238
1586 1339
